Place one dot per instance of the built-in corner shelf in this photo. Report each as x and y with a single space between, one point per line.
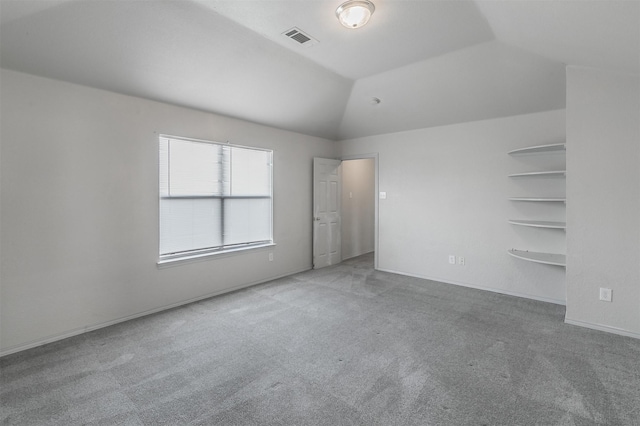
546 258
554 147
538 199
531 256
539 224
554 173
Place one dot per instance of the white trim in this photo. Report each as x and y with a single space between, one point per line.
605 328
201 256
356 255
478 287
86 329
227 143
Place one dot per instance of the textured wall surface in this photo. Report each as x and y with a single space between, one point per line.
603 209
447 191
80 208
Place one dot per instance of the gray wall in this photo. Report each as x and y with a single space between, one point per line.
79 218
603 209
447 190
358 207
79 201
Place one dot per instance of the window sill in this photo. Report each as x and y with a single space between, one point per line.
205 256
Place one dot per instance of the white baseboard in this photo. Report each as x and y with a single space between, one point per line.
605 328
351 256
54 338
479 287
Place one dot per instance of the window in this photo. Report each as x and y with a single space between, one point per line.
213 197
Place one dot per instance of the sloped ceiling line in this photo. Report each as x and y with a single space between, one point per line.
466 60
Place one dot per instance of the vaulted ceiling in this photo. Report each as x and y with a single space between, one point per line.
429 62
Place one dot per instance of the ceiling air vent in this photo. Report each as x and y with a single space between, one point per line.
299 37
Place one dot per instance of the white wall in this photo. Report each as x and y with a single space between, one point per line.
79 203
603 208
447 190
358 207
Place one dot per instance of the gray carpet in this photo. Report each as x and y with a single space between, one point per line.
344 345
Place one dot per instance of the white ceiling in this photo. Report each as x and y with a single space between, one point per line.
432 62
479 82
402 32
592 33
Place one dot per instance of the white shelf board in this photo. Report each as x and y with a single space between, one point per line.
546 258
539 224
554 147
553 173
536 199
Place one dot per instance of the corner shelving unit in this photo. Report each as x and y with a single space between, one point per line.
546 258
538 199
554 147
539 224
555 173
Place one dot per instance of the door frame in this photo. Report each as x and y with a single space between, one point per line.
375 157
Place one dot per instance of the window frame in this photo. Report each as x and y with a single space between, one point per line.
223 249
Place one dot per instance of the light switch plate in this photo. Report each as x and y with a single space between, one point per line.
606 294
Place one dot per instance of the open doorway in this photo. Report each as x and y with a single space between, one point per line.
358 207
355 197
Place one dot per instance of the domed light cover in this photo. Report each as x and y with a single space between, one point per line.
355 13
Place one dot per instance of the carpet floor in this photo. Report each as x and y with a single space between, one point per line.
344 345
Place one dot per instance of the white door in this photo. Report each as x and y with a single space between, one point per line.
327 184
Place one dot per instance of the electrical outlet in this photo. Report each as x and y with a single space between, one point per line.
461 261
452 259
606 294
270 257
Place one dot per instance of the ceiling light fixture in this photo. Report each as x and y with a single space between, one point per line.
355 13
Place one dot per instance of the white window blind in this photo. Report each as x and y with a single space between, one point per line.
213 197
